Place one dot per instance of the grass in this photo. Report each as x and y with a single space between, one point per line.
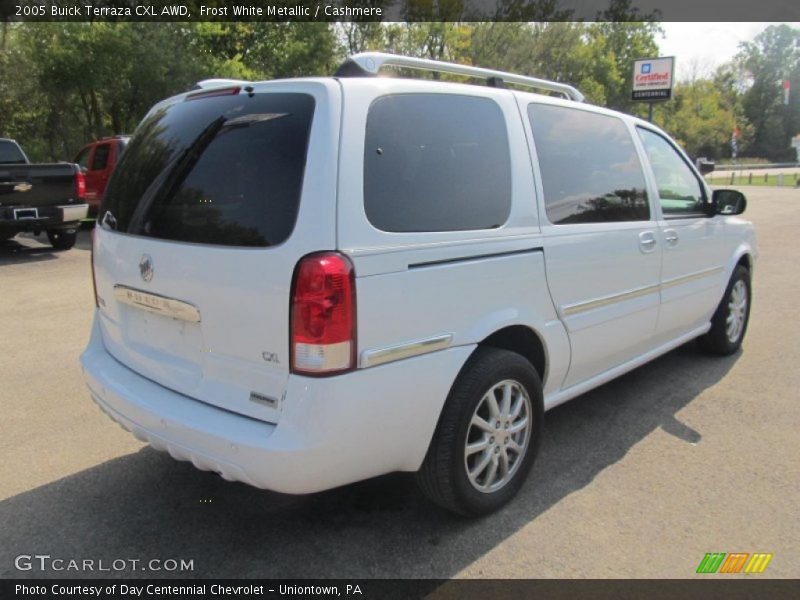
789 180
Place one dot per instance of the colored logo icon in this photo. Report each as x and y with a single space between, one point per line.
735 562
646 68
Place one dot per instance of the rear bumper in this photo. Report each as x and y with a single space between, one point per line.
48 217
332 431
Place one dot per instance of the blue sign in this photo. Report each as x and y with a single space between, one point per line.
646 68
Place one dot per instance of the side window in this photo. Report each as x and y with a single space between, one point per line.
83 158
436 162
591 172
679 190
100 159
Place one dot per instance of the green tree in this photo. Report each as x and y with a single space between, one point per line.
701 118
771 58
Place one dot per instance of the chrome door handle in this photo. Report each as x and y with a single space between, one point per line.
671 236
647 241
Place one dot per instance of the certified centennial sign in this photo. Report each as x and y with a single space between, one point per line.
652 79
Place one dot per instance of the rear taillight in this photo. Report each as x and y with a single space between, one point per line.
80 185
323 315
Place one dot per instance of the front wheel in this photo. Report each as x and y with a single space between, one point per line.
62 239
729 323
488 434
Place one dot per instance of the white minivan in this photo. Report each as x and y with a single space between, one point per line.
309 282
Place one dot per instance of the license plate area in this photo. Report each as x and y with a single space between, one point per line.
24 214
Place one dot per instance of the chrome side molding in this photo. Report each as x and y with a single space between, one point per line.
573 309
379 356
691 277
600 302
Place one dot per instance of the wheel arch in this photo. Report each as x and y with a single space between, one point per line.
523 340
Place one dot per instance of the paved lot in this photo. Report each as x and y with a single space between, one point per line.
640 478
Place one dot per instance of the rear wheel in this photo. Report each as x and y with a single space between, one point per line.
729 323
62 239
488 434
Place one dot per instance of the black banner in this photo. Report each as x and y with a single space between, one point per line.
715 586
651 95
398 10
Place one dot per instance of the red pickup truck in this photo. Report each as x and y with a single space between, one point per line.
97 160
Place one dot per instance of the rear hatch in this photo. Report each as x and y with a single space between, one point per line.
218 195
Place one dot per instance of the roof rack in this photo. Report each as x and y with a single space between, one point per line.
367 64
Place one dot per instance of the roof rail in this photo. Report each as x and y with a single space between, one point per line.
368 64
208 84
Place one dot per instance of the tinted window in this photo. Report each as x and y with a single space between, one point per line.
10 153
436 162
679 190
83 157
217 170
100 160
590 170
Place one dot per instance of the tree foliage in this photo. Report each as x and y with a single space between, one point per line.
63 84
770 59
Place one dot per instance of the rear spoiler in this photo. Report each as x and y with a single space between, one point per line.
208 84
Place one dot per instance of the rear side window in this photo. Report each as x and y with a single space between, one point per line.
10 153
100 160
436 162
591 172
225 170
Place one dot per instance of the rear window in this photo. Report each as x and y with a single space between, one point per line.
83 157
436 162
225 170
10 153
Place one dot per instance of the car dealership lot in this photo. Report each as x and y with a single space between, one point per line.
640 478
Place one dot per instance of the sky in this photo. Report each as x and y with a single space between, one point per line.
699 48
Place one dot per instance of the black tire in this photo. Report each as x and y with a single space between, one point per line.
717 340
443 476
62 239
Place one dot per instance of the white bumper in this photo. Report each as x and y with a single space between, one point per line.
332 431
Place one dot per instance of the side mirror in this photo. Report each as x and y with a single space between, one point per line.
729 202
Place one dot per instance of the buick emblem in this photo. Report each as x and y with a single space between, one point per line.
146 267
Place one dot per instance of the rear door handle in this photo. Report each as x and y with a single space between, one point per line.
671 236
647 241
